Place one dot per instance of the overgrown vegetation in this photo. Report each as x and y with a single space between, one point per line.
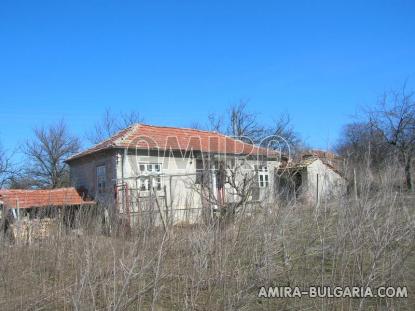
385 134
364 239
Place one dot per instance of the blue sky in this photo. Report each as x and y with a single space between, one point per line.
177 61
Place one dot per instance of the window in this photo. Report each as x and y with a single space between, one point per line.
199 171
157 182
263 176
143 184
150 171
101 178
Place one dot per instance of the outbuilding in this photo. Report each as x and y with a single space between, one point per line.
314 178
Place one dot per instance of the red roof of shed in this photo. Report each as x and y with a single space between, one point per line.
19 198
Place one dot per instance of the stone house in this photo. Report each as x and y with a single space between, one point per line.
173 171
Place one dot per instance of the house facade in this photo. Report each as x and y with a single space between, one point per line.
176 172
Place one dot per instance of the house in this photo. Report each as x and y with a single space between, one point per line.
315 177
175 172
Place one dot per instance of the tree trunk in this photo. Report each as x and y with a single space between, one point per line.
408 173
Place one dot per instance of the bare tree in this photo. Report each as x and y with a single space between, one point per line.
110 124
386 133
22 180
237 122
243 124
46 153
394 119
6 168
196 125
227 180
360 143
216 123
281 136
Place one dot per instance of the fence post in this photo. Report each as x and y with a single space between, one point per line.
166 206
355 184
317 198
160 211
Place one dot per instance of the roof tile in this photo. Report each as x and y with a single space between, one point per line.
19 198
143 136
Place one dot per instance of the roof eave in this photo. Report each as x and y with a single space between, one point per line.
81 155
85 154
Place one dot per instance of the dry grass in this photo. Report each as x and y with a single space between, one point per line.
363 241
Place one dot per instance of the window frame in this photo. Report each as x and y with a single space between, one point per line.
151 171
101 178
263 176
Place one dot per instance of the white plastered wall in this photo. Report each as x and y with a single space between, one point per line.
327 181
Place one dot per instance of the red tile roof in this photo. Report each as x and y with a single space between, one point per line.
19 198
141 136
